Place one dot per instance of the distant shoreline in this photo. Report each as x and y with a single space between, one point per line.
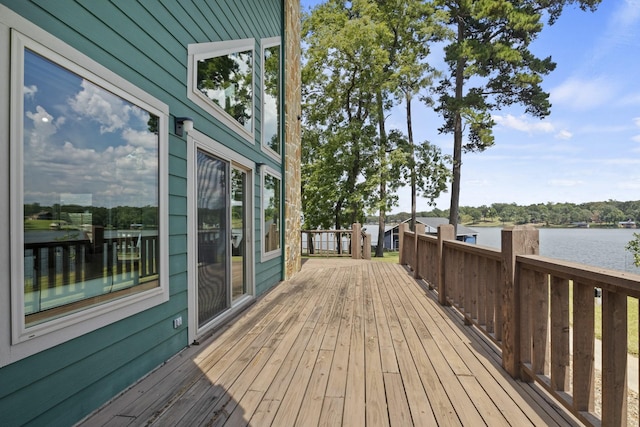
537 225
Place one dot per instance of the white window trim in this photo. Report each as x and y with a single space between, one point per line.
267 43
266 256
18 341
197 140
200 51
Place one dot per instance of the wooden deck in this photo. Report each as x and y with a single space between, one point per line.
344 342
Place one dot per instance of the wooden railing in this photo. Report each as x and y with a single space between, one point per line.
340 243
541 312
67 262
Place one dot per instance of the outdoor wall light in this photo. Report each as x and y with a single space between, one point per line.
183 125
259 167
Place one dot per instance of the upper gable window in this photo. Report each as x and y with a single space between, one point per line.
271 86
221 81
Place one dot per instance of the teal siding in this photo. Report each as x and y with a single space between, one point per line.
145 43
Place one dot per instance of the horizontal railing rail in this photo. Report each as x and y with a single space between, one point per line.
352 243
542 313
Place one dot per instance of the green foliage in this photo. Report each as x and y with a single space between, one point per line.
224 74
547 214
120 217
634 247
360 57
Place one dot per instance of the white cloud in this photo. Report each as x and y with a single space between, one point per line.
636 138
565 182
630 184
44 127
630 99
30 91
523 124
625 18
621 31
620 161
101 106
636 121
145 139
583 94
564 134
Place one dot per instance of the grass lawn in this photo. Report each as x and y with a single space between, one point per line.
388 257
632 325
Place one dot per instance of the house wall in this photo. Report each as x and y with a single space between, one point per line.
146 44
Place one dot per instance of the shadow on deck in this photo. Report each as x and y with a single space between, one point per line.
345 342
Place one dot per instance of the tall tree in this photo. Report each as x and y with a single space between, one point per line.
339 87
490 67
411 26
417 24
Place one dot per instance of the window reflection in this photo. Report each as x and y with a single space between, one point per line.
90 193
271 98
227 81
271 212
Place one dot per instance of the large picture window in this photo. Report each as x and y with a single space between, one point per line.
221 81
271 214
271 114
87 191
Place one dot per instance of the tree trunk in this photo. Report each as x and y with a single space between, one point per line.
454 209
412 224
383 177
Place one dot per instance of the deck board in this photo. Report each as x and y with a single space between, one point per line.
352 343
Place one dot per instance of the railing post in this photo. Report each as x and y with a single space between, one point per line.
402 228
515 241
614 360
420 228
356 239
366 246
445 232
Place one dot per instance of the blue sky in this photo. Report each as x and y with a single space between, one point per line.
588 149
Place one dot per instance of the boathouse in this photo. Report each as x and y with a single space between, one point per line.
391 233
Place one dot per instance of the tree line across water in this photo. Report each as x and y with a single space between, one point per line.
603 213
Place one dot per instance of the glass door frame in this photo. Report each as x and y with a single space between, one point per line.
199 141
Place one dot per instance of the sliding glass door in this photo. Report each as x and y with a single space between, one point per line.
221 245
213 198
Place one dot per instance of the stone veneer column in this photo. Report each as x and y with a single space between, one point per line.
292 138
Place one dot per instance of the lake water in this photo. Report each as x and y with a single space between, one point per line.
592 246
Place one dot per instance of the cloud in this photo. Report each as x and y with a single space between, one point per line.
522 124
30 91
636 121
621 31
142 138
630 12
583 94
620 161
565 182
630 99
94 103
564 134
630 184
43 127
